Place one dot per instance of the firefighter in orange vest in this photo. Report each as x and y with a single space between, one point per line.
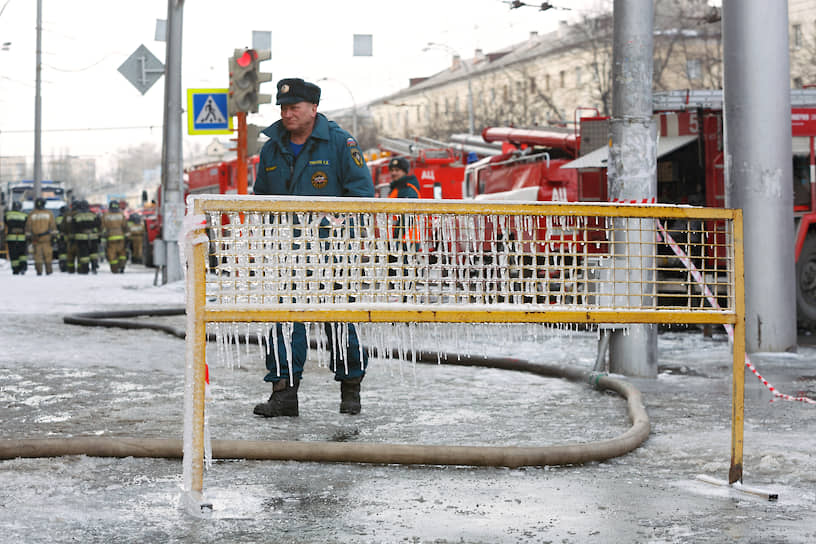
114 229
404 232
40 227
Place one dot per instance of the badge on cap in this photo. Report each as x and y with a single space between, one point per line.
284 88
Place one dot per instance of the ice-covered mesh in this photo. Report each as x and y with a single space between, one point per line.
292 254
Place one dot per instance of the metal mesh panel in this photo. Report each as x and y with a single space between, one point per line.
344 253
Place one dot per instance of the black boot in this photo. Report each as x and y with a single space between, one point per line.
282 402
350 396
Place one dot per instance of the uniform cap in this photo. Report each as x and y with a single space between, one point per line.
401 163
294 90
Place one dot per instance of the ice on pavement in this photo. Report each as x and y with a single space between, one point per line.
59 380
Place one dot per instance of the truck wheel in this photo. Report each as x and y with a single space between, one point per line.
806 284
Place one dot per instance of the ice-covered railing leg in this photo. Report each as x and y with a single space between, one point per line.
193 257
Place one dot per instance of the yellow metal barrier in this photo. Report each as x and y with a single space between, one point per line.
281 259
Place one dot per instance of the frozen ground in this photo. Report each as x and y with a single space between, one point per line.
59 380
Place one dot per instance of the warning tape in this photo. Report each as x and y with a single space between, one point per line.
728 328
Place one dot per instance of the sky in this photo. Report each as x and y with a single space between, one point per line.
85 41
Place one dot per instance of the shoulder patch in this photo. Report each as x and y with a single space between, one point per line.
351 142
357 156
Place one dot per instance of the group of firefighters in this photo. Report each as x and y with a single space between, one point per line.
77 233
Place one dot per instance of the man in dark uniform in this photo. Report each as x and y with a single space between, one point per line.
15 220
309 155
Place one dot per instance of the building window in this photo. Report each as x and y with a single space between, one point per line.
577 76
797 83
694 69
547 82
532 85
562 76
796 33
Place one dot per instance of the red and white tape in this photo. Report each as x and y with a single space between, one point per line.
651 200
728 328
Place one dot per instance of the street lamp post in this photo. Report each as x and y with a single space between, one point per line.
353 103
469 72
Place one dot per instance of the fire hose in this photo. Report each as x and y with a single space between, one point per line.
350 452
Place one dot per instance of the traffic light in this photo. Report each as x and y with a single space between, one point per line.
261 77
245 81
253 146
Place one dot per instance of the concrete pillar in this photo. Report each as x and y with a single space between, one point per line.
172 159
632 170
758 175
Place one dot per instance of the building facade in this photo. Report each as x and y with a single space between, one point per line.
553 79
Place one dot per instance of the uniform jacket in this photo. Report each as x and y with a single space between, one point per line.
135 230
330 164
15 225
405 187
83 225
40 225
114 225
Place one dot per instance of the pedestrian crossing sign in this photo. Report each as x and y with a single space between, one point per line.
207 112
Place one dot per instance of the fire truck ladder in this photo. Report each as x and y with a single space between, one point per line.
414 147
713 99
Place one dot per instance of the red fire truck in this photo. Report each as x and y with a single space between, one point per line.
690 168
438 166
220 177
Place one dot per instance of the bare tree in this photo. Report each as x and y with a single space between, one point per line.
803 55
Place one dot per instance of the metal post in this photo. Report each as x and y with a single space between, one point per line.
632 173
172 159
38 109
241 153
758 169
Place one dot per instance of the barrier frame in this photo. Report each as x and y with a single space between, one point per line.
198 315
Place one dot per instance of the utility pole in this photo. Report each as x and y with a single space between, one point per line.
172 158
632 175
38 109
758 169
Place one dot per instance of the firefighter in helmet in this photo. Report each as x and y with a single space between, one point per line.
62 239
83 224
136 233
15 220
72 251
114 230
40 227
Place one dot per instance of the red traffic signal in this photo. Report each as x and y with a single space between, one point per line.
245 80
